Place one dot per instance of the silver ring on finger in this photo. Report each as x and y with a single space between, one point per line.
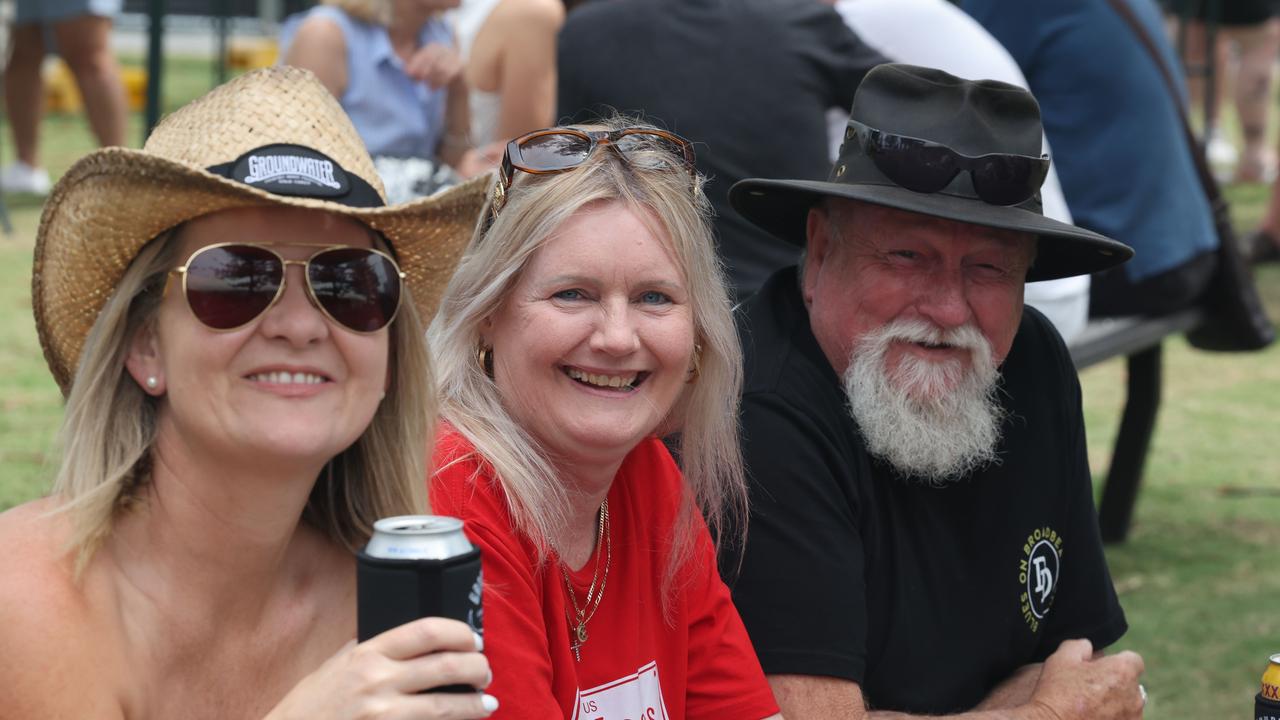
1143 692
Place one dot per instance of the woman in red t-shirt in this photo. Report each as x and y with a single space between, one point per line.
589 318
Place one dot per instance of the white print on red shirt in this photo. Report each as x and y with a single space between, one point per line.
634 697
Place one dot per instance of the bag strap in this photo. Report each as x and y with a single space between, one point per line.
1211 189
1239 320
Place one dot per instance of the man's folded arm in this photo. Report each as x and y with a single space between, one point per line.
1075 683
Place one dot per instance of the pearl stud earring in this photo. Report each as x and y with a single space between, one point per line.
152 382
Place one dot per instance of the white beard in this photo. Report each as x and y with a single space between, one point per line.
938 422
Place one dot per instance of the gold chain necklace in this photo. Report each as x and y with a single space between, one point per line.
583 615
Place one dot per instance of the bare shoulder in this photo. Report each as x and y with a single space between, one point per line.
46 628
320 46
33 534
320 32
515 14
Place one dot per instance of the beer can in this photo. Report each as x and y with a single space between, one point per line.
417 566
1266 705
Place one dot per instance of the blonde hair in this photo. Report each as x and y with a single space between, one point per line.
109 425
376 12
706 413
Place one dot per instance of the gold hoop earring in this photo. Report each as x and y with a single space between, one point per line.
485 356
695 368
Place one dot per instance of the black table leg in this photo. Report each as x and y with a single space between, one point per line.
1132 443
155 65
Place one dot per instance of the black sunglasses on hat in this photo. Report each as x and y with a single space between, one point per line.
928 167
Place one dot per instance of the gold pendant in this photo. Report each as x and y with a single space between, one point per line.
580 635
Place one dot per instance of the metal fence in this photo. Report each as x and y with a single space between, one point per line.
223 8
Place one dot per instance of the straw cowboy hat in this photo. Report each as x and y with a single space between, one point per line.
926 108
271 137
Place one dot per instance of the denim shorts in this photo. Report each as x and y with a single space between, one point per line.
50 11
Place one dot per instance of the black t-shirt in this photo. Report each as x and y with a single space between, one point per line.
749 82
927 597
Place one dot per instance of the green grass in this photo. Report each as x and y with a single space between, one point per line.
1198 575
29 398
65 137
1198 578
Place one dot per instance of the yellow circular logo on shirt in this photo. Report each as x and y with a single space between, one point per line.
1038 571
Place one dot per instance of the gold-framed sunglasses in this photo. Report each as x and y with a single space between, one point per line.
229 285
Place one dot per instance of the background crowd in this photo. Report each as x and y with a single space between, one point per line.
436 88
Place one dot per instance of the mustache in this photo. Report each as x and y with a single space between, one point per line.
918 373
966 336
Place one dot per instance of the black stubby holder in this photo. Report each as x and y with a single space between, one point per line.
392 592
1264 709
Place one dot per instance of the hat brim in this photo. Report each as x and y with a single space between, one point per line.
114 201
782 207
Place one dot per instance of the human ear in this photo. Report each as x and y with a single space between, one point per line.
817 245
143 360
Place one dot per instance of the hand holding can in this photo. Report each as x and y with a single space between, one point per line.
418 566
394 674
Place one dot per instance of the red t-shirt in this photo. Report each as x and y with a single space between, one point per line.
635 665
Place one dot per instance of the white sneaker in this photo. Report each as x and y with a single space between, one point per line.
20 177
1222 156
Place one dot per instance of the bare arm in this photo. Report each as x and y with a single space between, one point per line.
1015 690
525 70
320 47
527 66
1074 684
438 65
827 698
817 697
457 123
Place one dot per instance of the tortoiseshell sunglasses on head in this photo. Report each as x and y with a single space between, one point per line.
559 149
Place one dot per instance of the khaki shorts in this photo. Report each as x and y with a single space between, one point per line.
1229 12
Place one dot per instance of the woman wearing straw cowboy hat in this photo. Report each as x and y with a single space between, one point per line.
234 424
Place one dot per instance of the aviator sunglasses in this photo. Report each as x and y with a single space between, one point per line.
556 150
927 167
229 285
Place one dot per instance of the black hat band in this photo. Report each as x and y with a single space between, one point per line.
299 171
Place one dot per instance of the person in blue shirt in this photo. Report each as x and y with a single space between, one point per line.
394 68
1119 147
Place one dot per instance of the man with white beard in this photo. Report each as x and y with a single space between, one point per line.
922 538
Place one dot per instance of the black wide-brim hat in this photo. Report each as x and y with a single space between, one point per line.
973 118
